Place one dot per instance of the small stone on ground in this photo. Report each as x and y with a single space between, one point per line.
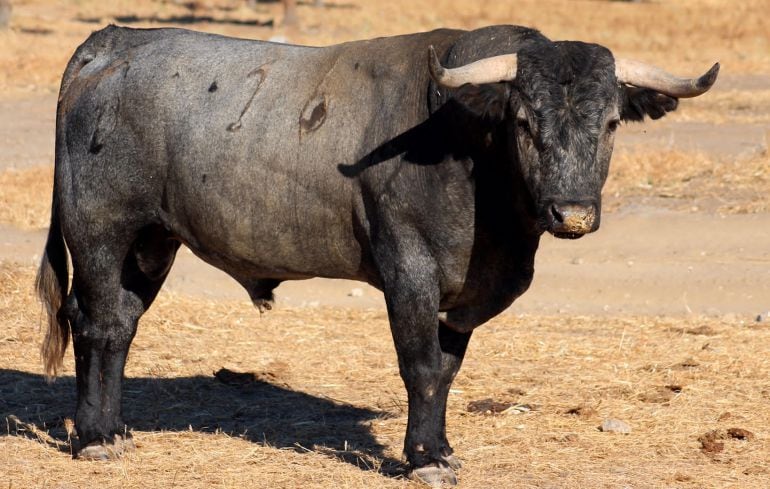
615 426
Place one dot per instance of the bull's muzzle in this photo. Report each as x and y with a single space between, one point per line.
572 221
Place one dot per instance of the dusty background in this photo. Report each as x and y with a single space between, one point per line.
653 320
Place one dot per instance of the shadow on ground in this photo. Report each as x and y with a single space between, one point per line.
259 411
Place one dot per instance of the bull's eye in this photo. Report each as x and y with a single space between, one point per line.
523 126
612 125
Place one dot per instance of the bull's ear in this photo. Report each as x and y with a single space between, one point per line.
487 101
640 102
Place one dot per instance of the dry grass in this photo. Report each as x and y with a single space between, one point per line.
25 197
726 107
690 181
687 35
327 408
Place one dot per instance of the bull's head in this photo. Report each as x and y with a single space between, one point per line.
560 108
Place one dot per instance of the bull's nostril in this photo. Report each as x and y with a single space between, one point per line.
572 219
556 214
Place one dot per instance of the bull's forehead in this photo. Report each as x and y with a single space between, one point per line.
567 76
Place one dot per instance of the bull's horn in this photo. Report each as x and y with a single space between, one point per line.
487 70
647 76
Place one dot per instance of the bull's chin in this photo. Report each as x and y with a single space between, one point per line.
566 235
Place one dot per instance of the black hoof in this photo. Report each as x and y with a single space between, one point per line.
106 450
434 476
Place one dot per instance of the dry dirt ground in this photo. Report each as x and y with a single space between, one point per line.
652 320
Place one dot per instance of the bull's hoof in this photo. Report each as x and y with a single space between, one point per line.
106 450
434 476
453 462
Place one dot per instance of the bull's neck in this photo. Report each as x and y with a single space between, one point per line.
503 204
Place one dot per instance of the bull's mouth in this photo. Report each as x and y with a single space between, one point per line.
567 235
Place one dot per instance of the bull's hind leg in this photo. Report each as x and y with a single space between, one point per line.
113 285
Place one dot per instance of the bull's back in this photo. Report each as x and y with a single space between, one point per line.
237 144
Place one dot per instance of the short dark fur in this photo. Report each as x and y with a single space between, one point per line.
346 161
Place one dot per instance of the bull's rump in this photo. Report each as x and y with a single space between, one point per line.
235 145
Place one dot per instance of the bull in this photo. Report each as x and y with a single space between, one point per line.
428 165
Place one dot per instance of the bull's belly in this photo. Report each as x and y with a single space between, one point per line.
278 256
253 227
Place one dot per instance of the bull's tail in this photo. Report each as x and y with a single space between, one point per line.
52 283
53 274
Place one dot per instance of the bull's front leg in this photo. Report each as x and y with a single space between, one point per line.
429 356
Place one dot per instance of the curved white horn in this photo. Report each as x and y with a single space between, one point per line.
648 76
487 70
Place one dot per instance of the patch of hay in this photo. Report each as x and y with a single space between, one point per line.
690 181
325 406
25 197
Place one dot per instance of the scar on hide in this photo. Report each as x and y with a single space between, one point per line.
105 124
261 72
73 86
67 80
313 114
95 146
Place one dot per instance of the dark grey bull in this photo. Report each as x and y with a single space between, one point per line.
368 161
